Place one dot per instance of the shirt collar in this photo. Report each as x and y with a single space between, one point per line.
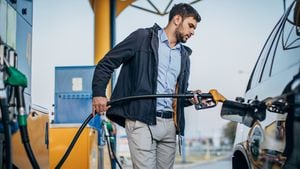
163 38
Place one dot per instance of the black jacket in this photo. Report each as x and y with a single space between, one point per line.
138 76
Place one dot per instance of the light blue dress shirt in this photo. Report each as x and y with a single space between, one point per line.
169 61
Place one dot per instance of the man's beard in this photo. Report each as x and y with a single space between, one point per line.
179 35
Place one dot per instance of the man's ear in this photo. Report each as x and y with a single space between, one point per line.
177 19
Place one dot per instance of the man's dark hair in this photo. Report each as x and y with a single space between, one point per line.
184 10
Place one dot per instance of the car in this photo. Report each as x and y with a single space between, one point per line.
268 116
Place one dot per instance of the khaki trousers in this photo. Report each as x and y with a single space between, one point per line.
152 147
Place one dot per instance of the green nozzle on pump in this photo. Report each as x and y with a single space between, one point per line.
108 129
19 80
108 125
16 78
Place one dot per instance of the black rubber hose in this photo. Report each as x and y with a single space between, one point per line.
115 157
22 119
67 153
79 131
189 95
110 149
28 149
7 133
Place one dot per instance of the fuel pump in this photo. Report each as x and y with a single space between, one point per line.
13 83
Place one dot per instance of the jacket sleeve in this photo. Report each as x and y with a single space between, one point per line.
112 60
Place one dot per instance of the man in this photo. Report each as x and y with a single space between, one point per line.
154 62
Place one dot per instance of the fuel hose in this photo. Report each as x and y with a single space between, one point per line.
22 120
125 99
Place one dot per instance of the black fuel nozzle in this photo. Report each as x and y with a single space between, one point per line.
205 101
209 100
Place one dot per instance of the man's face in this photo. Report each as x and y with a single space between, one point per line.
185 29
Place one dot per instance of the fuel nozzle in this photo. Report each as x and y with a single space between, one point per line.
108 129
18 82
209 100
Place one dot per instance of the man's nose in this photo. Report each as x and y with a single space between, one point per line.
192 32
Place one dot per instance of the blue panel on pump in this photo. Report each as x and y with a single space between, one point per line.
73 94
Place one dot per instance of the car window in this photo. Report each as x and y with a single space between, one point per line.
288 50
260 64
266 71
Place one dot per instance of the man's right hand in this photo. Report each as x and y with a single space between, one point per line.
100 105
